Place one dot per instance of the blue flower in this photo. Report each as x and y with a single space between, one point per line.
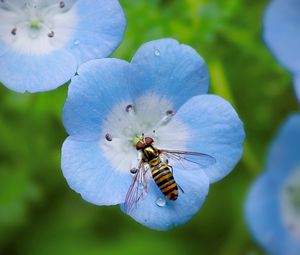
273 204
161 94
297 85
281 34
43 42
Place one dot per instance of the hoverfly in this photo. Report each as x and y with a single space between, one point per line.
157 160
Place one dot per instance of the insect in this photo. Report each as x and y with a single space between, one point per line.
157 161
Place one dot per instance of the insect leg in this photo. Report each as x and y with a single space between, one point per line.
171 168
180 187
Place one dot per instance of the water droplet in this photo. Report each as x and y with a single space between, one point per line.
161 202
76 42
141 186
157 52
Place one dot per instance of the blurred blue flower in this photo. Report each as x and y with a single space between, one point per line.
273 204
281 33
297 85
43 42
161 94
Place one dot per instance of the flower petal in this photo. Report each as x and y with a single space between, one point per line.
4 27
281 32
90 174
99 30
297 85
33 73
264 219
285 150
3 48
195 185
100 85
169 69
215 129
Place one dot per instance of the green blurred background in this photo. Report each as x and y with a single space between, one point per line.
40 214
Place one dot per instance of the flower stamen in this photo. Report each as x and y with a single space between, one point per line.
35 24
170 112
108 137
133 170
14 30
62 4
51 34
129 108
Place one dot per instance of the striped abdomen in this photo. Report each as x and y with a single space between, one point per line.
164 179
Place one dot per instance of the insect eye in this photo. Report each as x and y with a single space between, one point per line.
139 146
148 140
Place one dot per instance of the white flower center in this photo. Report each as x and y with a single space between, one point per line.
290 203
36 26
151 116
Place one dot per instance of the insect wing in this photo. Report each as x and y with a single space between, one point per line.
137 189
188 160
